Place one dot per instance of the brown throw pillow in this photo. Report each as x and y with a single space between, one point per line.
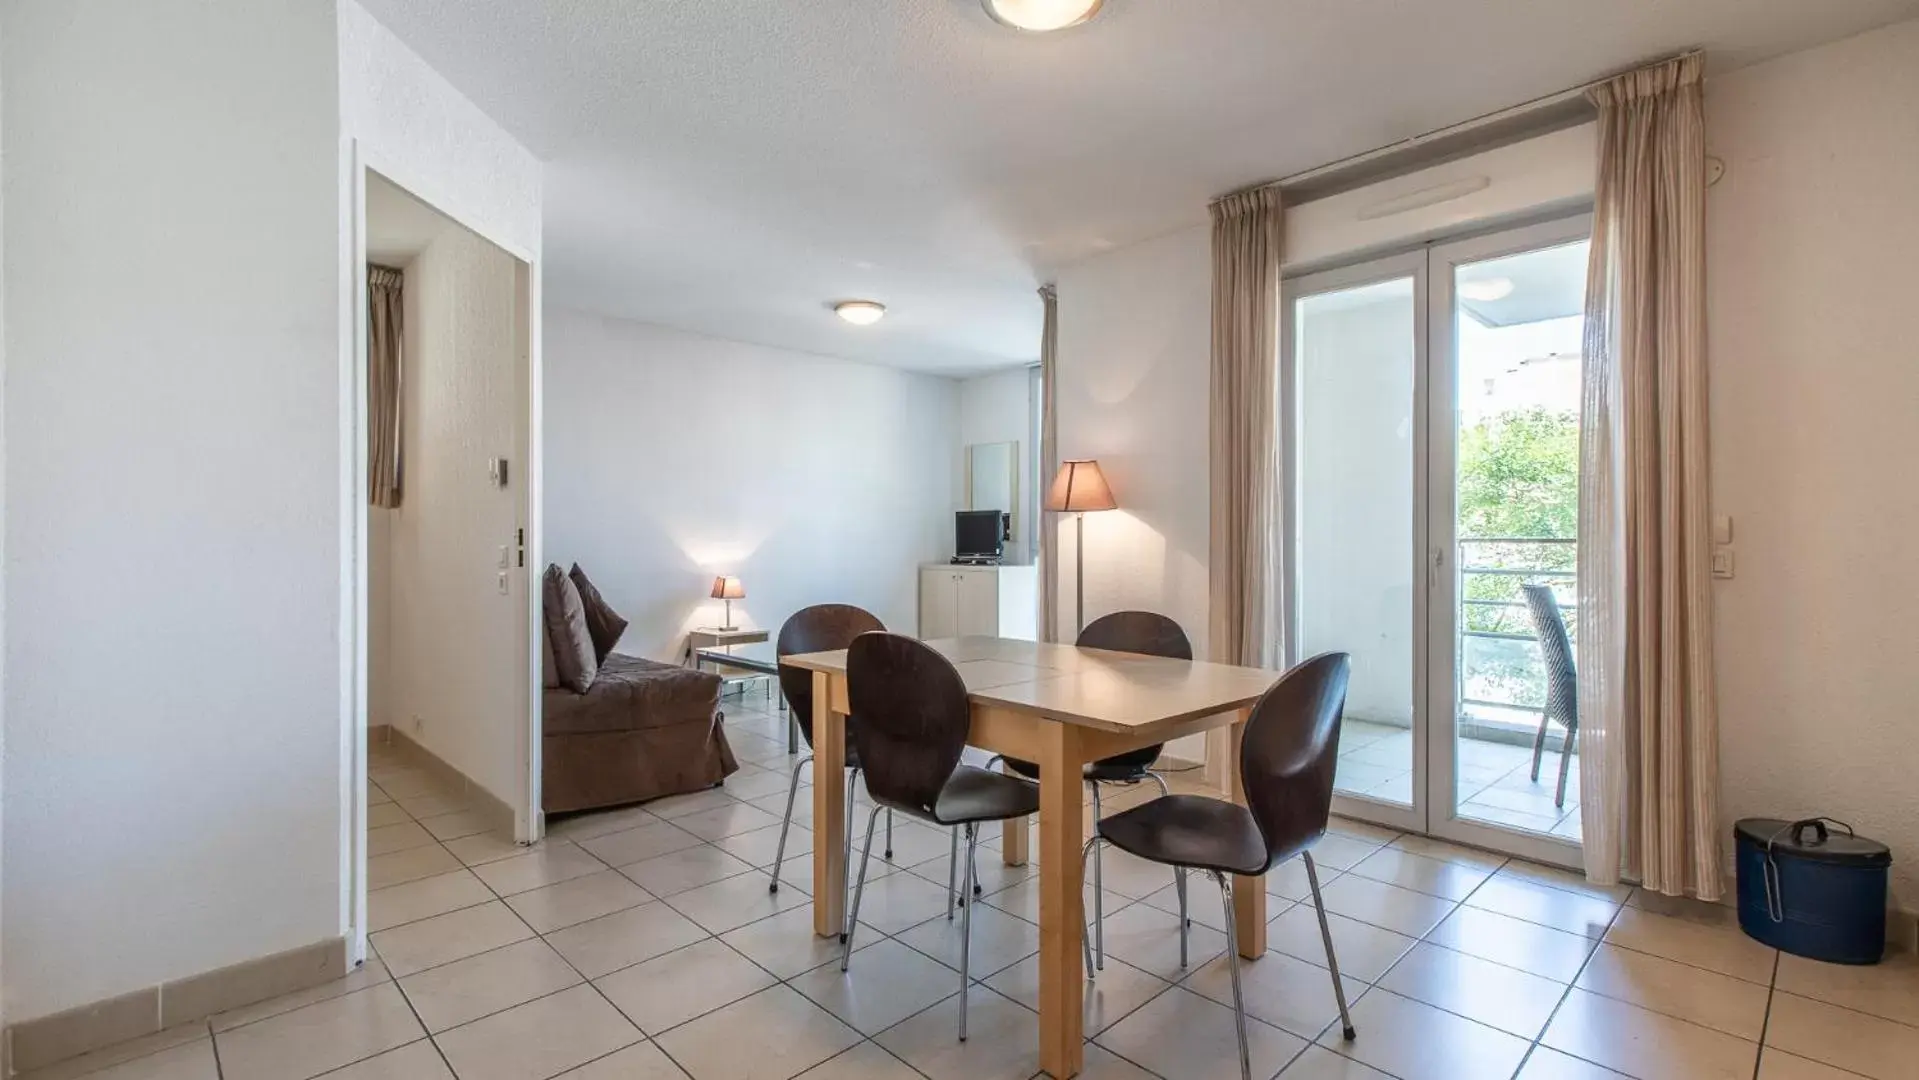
549 669
565 617
602 622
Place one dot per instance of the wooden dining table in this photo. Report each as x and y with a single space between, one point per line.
1059 706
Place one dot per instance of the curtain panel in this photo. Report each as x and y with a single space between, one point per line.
1048 531
385 374
1243 575
1649 732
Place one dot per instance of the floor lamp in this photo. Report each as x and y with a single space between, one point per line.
1079 488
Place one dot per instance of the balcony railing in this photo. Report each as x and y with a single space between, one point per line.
1500 665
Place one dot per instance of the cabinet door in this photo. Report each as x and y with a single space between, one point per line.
936 604
976 602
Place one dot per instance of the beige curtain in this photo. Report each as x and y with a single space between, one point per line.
1048 531
1649 733
1243 575
384 375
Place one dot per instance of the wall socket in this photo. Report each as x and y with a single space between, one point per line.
419 725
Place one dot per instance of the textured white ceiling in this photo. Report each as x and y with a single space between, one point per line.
732 166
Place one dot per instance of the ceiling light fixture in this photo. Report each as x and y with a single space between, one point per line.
1041 16
860 312
1487 291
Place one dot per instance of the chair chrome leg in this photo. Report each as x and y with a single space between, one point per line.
1099 887
779 853
1232 963
952 872
846 856
966 930
1161 781
1085 932
1179 884
859 889
1326 935
889 836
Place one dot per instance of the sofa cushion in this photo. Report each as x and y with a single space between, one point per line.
565 617
632 694
603 623
549 669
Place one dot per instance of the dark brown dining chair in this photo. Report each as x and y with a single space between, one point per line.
820 628
1150 634
1286 763
1562 680
914 718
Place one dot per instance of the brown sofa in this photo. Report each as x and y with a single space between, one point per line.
642 730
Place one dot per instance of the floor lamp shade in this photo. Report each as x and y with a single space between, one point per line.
728 589
1078 489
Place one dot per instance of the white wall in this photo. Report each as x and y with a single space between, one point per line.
1811 236
674 457
999 408
173 766
453 648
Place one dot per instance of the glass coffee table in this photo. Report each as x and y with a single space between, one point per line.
754 660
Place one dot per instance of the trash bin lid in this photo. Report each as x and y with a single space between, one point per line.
1819 839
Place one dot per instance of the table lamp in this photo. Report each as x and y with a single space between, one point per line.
1079 488
728 589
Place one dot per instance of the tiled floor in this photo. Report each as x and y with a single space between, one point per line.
1495 779
643 944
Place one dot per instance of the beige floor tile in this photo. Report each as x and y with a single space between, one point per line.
1179 1033
1840 1037
1564 881
1716 948
414 1061
773 1035
1362 830
404 782
1434 877
915 843
688 868
884 985
1645 1044
397 905
191 1060
454 826
786 945
488 847
758 783
1148 939
1119 989
370 973
1888 989
1364 951
1453 853
410 865
377 797
1403 911
606 944
1707 998
1533 902
576 900
1133 877
549 864
1282 990
1775 1064
1288 880
538 1039
1002 1040
867 1061
386 813
669 990
1414 1041
388 839
1549 1064
896 901
1506 998
733 902
309 1041
1516 943
446 938
1340 852
676 806
1203 904
759 846
639 843
1319 1063
465 990
579 827
430 805
641 1061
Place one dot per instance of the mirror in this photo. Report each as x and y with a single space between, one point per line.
992 479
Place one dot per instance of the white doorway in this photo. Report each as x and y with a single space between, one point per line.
1432 474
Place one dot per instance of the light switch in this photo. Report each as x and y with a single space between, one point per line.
1722 563
1722 529
504 586
505 557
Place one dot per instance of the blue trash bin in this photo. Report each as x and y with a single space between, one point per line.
1813 891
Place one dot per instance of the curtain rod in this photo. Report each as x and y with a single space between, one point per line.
1538 104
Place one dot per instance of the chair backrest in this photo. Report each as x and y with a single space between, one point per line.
913 719
1290 750
1556 650
820 628
1145 632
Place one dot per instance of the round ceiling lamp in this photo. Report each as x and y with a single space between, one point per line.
860 312
1041 16
1487 290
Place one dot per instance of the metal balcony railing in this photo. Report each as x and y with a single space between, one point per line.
1502 617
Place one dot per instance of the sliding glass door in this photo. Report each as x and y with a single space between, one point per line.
1432 445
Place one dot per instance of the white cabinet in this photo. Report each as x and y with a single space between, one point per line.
988 601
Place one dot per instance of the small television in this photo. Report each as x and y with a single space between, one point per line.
978 536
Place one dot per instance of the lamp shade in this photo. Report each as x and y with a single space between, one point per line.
1079 486
728 588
